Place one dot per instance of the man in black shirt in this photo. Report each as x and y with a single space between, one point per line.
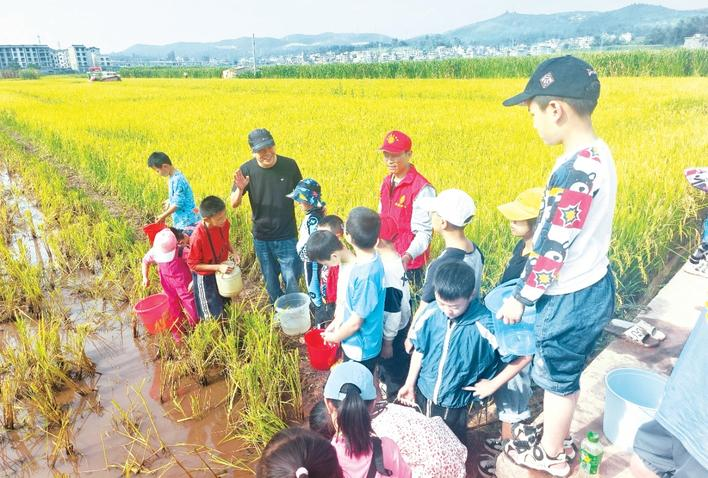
267 179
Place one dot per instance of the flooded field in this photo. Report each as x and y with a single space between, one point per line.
86 391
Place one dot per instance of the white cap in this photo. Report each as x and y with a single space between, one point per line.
453 205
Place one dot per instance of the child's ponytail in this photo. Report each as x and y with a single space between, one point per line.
354 421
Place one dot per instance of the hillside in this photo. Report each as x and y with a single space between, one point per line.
508 28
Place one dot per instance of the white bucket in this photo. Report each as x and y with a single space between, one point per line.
293 313
631 398
229 284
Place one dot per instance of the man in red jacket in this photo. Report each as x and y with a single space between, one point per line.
399 199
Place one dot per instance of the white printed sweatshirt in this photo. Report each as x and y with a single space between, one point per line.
574 227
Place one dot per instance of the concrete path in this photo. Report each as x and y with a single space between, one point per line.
674 310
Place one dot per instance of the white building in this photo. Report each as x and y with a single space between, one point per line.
78 58
696 41
95 58
63 59
24 56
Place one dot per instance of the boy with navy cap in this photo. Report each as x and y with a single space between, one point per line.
567 276
308 194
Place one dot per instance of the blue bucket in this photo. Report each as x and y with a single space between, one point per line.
517 339
632 396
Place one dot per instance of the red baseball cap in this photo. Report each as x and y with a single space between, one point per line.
389 229
396 142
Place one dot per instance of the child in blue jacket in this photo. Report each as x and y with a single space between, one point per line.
456 359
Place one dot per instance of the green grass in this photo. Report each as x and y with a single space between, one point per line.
670 62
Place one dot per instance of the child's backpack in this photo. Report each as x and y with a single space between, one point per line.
377 461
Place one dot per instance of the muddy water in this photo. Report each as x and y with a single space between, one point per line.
127 374
29 221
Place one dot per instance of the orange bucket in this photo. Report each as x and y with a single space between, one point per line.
322 356
151 230
154 311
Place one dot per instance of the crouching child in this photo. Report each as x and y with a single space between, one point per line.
175 277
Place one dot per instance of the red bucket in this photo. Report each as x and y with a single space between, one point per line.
151 230
322 356
154 311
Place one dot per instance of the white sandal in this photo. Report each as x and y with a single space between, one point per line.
532 434
536 458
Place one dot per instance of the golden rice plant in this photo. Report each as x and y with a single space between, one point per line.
462 137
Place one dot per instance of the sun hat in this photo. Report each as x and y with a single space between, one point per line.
396 142
562 77
526 205
350 372
389 229
453 205
259 139
308 190
164 247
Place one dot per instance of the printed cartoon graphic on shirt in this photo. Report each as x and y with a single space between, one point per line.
566 206
698 178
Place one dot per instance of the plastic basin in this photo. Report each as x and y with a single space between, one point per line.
322 356
292 311
631 399
154 312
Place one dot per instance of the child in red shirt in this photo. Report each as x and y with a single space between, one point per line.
329 275
209 250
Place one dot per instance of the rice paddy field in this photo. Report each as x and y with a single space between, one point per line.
77 189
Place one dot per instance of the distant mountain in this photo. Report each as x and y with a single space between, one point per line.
638 19
265 46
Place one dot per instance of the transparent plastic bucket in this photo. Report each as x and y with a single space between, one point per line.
231 283
515 339
292 311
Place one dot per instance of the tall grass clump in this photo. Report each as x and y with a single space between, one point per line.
171 71
673 62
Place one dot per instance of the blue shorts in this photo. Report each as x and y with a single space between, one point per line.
567 328
210 304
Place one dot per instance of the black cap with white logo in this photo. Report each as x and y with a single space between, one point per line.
562 77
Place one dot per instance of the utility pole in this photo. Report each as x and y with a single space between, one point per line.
254 53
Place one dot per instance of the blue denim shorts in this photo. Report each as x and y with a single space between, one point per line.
567 328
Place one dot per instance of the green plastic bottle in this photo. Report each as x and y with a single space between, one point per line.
591 455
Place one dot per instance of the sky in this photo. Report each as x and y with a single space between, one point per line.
114 25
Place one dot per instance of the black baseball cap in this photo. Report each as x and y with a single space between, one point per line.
260 138
563 77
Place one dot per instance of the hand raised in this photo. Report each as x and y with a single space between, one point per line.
241 181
